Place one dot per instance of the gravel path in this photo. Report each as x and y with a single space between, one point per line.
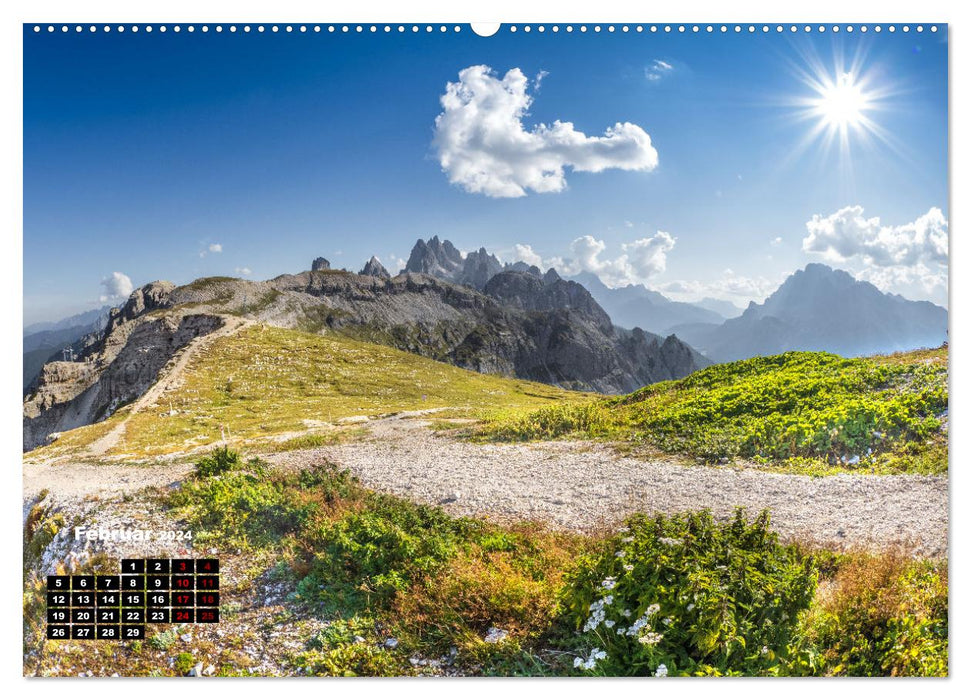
582 486
587 486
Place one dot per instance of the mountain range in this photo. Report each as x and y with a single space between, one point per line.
472 311
521 323
819 308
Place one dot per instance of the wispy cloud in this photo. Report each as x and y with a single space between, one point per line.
657 70
484 147
212 248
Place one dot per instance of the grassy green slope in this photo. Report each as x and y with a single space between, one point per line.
803 411
265 382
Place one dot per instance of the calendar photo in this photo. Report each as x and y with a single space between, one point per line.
451 350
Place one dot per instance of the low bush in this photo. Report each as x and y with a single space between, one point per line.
220 461
687 596
883 615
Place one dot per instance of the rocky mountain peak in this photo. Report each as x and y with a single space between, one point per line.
436 258
374 268
320 264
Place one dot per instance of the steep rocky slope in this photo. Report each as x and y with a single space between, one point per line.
522 325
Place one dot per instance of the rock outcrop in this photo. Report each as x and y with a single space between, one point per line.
116 369
374 268
320 264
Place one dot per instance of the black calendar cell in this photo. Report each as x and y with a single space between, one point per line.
183 566
133 566
82 599
58 616
82 583
157 583
58 632
108 599
182 599
159 615
207 599
82 631
82 616
108 632
157 599
133 600
108 583
132 632
207 583
207 566
182 615
133 583
158 566
207 615
56 599
58 583
108 616
133 616
183 583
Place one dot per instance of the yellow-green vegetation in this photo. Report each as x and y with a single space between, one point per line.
680 595
265 383
800 411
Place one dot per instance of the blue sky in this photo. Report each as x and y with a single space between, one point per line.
142 151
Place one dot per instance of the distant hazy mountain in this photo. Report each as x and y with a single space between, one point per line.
722 307
820 308
636 306
85 318
45 341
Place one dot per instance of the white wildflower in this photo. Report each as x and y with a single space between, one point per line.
627 540
661 671
667 621
627 612
691 606
620 554
609 623
608 583
628 567
670 541
652 610
650 639
577 662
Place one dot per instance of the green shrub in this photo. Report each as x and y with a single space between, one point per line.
798 404
221 461
885 615
372 553
686 596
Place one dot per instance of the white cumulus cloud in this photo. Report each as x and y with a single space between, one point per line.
116 286
526 253
215 248
891 257
484 147
637 261
243 271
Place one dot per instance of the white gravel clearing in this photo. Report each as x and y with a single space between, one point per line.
586 486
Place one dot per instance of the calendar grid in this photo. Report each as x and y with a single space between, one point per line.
118 606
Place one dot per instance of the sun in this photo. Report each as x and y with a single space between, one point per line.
841 102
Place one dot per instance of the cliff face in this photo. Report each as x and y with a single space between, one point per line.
523 324
113 371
